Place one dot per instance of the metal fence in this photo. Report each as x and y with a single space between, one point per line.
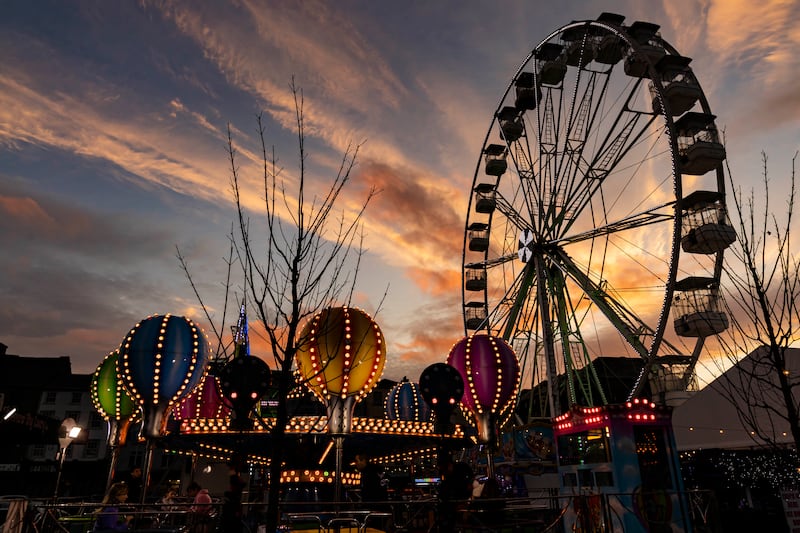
556 514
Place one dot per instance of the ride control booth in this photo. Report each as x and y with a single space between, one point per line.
619 467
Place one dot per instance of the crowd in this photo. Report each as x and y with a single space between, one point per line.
120 508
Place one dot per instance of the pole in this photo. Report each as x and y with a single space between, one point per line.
339 440
148 465
62 453
193 467
112 467
489 462
114 430
66 434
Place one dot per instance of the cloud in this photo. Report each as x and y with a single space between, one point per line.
414 215
159 123
427 337
200 119
27 222
759 42
328 44
23 211
779 109
78 279
744 55
262 47
153 149
742 33
142 148
436 283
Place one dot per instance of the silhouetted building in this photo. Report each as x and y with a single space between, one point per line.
42 392
616 376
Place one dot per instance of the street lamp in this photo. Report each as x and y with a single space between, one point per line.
67 432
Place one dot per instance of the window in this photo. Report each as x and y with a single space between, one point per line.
654 462
583 448
50 397
92 449
585 478
75 415
49 413
38 451
95 420
136 458
76 397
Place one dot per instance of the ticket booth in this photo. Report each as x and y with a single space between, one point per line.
619 469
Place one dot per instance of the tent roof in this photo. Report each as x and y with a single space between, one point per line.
708 419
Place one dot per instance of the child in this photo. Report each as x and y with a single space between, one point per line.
108 516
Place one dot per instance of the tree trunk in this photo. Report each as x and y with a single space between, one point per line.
277 452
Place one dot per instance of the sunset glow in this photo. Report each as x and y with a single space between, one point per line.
113 128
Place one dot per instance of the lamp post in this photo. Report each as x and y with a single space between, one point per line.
68 432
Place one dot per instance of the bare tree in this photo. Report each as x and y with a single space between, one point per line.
763 294
308 261
299 255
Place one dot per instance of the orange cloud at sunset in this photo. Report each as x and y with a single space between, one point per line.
412 221
25 211
144 150
742 36
735 34
432 332
435 282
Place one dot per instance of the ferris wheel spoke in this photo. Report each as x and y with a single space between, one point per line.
578 134
619 141
493 261
566 327
519 305
548 339
626 321
548 130
519 220
511 308
577 346
628 129
657 215
561 149
595 176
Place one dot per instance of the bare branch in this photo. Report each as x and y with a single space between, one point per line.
308 259
763 293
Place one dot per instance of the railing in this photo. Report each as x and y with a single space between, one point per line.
79 516
552 514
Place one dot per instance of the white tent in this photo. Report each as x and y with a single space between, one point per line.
708 419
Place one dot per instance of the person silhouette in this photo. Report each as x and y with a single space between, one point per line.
109 517
372 484
200 511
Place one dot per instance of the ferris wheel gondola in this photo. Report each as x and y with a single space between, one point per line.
597 212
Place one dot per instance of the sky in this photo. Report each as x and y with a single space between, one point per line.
113 127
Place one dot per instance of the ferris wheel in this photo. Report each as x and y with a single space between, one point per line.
597 221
